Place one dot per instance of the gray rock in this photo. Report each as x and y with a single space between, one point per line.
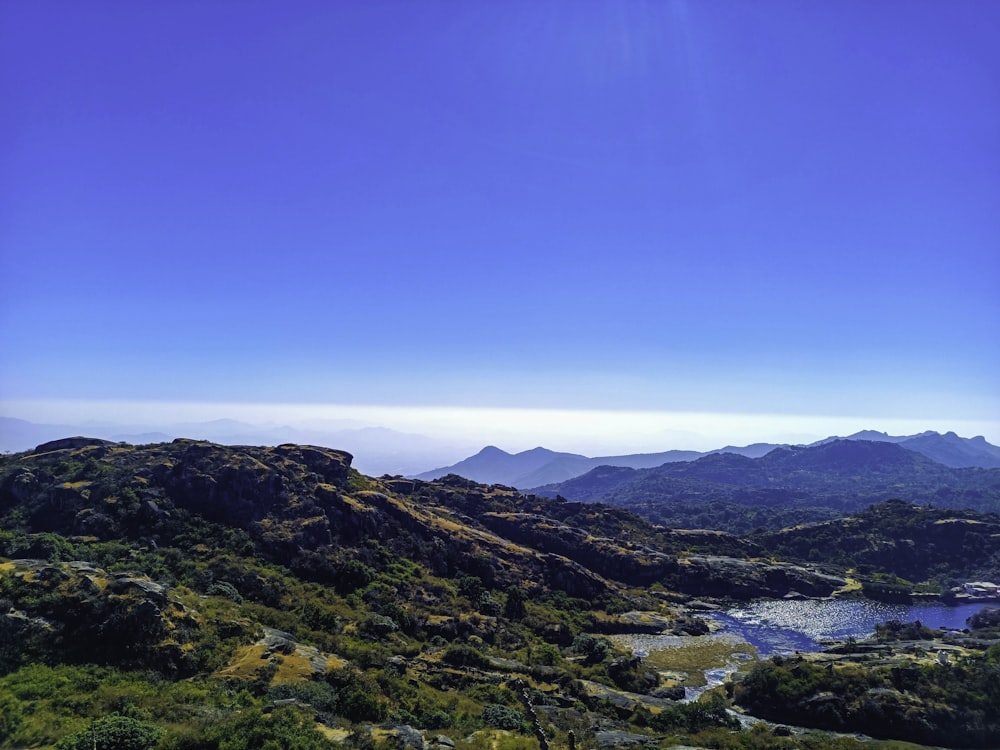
622 699
154 591
24 486
646 621
398 663
669 692
717 575
277 639
618 738
408 737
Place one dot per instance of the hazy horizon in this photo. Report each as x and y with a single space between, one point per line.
590 432
610 227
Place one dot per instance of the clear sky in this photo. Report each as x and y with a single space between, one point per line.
755 210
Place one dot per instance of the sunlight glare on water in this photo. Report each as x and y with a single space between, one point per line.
779 626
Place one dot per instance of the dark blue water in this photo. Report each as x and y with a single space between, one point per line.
783 627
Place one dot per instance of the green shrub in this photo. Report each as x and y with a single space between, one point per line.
470 587
319 695
226 589
545 654
353 575
113 732
358 695
695 716
464 656
378 626
286 727
593 649
514 607
502 717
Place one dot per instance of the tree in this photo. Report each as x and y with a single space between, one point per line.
514 608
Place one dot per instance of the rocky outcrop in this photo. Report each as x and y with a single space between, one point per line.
699 575
89 615
70 443
715 576
635 566
242 486
610 738
624 701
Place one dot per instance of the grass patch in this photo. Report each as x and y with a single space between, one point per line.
690 655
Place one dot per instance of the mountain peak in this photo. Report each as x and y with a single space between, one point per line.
868 435
492 450
537 451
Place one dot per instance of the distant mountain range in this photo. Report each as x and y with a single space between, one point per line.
540 466
379 450
837 476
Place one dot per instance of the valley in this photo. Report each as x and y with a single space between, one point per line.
191 594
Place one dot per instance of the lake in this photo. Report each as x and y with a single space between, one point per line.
783 627
777 627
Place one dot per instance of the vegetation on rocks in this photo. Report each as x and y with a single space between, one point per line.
950 704
189 595
912 543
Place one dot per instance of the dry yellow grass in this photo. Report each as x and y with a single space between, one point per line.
245 663
689 655
852 585
294 667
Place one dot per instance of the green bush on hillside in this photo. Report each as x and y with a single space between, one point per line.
284 728
499 716
115 732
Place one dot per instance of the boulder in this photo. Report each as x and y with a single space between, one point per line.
618 738
408 738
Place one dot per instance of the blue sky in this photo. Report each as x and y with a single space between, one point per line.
784 209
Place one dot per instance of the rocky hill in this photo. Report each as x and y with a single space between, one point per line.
907 541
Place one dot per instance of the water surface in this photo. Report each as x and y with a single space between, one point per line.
769 627
777 626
